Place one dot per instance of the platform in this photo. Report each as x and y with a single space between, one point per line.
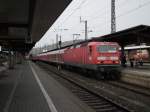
137 71
146 66
138 75
28 88
2 68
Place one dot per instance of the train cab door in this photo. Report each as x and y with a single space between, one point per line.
84 53
89 54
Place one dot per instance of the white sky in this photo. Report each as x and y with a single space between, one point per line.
129 13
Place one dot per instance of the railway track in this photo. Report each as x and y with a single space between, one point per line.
95 101
124 95
130 87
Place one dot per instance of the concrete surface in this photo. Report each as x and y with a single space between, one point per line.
63 99
21 92
140 77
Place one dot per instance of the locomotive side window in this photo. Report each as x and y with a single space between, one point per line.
90 49
107 48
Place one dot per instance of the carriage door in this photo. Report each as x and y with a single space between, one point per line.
84 53
90 54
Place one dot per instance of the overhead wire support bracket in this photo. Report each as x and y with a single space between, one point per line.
86 32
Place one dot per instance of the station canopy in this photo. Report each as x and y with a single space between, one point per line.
135 35
24 22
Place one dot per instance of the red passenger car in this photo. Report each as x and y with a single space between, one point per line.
100 57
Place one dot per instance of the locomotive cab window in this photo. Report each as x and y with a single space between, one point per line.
107 48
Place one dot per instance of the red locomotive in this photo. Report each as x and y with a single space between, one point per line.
102 58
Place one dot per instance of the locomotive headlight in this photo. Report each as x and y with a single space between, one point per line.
101 58
108 58
114 58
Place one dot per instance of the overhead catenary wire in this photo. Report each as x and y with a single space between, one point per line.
105 22
135 9
126 13
59 22
67 17
74 11
121 15
103 12
78 7
122 4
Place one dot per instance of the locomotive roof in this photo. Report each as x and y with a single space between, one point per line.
102 43
82 42
69 45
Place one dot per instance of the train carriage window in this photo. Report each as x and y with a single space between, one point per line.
90 49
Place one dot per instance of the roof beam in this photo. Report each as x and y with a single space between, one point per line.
14 25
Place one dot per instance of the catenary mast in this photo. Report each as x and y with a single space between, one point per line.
113 17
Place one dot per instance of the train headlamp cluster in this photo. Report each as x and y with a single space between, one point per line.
108 58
